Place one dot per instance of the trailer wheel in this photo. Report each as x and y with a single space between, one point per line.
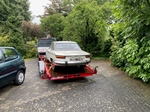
40 74
39 70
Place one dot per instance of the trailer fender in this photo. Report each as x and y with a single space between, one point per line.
41 67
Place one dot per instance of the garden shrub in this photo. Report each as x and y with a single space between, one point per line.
133 59
32 50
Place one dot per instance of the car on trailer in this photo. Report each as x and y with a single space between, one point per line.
67 53
12 66
65 63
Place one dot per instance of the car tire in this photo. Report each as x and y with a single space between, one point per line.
20 77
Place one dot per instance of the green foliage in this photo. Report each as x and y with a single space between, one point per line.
13 12
3 40
86 25
117 58
30 31
83 21
53 24
106 48
12 41
58 6
11 17
32 50
130 49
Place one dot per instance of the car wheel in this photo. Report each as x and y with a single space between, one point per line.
20 77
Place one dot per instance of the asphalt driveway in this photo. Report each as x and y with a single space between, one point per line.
111 90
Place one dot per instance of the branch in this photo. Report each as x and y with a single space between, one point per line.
93 25
148 3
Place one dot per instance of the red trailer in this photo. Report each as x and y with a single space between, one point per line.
53 72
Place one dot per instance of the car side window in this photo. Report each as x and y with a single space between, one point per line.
1 56
10 54
52 46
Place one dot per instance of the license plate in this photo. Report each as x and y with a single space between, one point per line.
76 59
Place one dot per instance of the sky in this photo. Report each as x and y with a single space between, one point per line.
36 8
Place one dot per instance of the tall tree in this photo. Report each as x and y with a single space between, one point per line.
23 7
86 24
11 17
59 6
53 24
31 31
78 21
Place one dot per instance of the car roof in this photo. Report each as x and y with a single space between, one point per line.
6 47
64 42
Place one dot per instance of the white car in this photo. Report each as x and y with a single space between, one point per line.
67 53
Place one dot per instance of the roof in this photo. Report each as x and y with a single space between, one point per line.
45 38
64 42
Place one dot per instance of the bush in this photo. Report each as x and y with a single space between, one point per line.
32 50
12 41
133 59
107 48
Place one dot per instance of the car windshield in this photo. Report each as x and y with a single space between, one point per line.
44 42
67 47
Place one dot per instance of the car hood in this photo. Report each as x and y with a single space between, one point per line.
70 53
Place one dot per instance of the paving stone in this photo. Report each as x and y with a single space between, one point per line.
111 90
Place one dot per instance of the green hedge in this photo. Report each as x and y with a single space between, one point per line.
31 50
133 59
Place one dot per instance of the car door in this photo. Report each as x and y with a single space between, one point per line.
3 69
8 65
1 63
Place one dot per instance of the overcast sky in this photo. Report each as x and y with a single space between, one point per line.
36 7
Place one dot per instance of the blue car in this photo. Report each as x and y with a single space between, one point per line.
12 66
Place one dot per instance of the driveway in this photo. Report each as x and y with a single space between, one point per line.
111 90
